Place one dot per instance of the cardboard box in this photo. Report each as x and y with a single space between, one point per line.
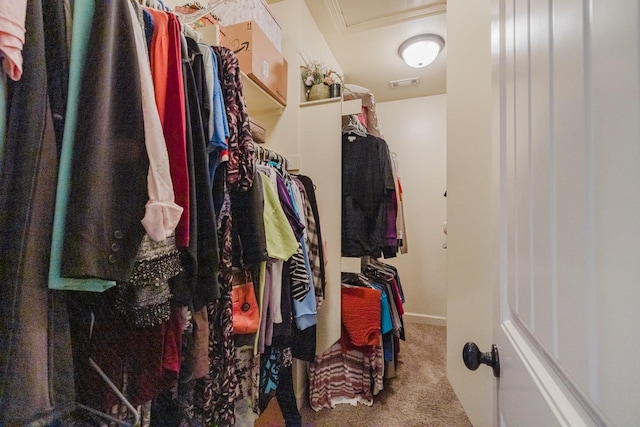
258 57
234 12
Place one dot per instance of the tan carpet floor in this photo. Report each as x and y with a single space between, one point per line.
419 396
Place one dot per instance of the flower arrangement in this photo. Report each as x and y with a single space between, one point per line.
315 72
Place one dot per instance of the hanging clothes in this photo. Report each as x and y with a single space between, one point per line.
304 301
35 355
12 36
249 241
241 163
278 329
403 243
387 276
135 119
57 58
361 316
147 345
198 285
281 245
117 160
217 127
316 246
82 23
174 129
367 179
215 393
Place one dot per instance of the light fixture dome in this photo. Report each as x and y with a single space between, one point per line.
421 50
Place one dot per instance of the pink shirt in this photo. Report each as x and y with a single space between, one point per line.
12 17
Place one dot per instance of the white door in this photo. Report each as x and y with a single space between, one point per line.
544 224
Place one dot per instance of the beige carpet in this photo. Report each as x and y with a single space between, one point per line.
419 395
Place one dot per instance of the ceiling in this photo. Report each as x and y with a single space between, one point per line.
364 36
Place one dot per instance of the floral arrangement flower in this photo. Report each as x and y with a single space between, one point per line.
315 72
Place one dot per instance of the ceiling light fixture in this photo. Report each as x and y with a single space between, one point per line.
421 50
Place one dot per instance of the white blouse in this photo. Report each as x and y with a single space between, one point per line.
161 212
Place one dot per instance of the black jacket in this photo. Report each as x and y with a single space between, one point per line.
108 189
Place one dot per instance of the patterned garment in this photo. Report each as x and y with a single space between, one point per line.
145 298
270 369
313 243
247 366
272 360
353 376
300 284
215 394
242 157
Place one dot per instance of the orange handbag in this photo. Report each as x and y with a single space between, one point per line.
246 314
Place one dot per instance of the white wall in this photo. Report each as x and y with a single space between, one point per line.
313 134
470 177
299 34
415 129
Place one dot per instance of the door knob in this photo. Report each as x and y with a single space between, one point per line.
473 357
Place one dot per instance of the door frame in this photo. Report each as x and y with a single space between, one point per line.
471 239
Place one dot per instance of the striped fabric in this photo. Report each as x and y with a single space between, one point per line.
350 377
300 284
313 243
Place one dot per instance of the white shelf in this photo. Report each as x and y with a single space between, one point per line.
352 106
259 102
319 101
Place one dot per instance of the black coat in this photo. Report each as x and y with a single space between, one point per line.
108 189
35 356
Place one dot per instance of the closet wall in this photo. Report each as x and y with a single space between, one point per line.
415 129
311 134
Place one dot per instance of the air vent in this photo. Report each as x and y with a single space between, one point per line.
413 81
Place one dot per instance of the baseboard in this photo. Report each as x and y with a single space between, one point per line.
424 318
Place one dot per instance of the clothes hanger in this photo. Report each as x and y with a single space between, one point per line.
114 388
266 156
190 18
190 32
354 126
355 280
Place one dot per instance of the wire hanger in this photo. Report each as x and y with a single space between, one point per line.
190 18
154 4
270 157
114 388
354 126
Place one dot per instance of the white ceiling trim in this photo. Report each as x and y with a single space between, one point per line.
336 15
333 6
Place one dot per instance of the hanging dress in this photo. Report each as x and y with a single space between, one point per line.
215 393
